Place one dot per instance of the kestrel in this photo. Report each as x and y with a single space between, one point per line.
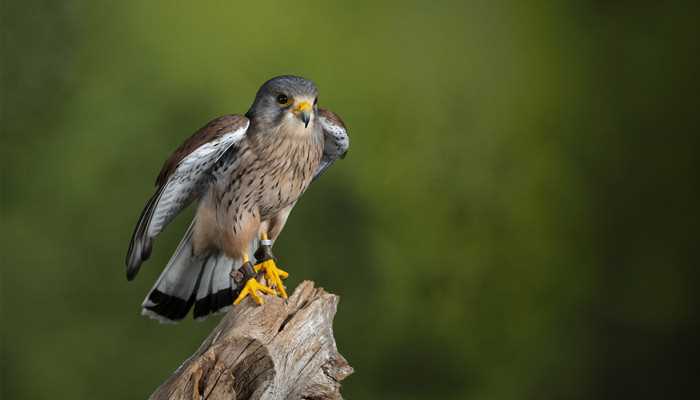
246 173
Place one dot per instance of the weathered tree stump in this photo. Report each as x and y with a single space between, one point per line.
280 350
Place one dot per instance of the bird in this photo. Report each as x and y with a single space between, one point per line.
245 173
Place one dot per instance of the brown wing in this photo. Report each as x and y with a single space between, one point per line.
182 179
336 139
214 129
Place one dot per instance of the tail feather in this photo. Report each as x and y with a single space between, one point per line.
171 297
215 294
203 281
189 279
207 274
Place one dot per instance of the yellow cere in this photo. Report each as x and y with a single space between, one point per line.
303 106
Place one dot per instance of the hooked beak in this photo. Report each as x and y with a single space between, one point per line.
303 111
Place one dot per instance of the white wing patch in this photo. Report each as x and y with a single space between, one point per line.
189 179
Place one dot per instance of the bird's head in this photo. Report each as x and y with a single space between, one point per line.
285 99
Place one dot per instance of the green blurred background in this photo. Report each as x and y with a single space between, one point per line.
516 218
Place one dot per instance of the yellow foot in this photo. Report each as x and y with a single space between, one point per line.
273 275
251 288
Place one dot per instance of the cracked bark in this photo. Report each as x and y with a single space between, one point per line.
281 350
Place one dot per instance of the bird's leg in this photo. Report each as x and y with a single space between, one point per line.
267 264
252 286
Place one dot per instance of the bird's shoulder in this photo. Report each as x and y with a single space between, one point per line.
213 130
336 136
331 117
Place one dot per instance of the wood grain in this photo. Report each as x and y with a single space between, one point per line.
280 350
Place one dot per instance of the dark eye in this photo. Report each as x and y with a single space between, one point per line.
316 101
282 99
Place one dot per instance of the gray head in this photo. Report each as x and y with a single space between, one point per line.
283 97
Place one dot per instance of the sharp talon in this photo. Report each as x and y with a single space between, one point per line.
251 288
273 275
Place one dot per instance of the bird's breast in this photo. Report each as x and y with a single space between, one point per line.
268 175
287 170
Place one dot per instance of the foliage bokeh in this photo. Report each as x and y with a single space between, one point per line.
516 217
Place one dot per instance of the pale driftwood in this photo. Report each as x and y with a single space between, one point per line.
280 350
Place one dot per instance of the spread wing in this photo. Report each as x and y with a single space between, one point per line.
336 140
183 178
